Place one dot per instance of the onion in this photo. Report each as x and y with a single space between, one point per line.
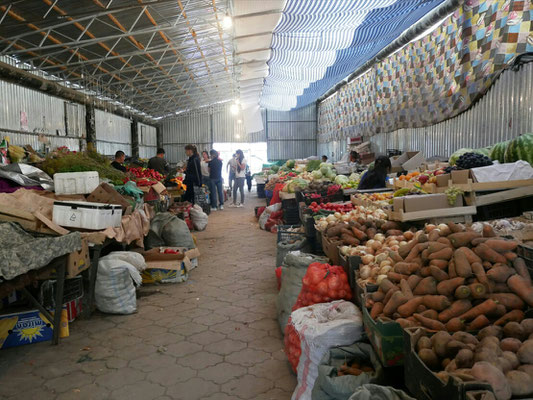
337 215
384 262
380 278
344 250
403 242
370 242
442 227
430 227
376 245
409 235
381 257
367 259
385 270
370 250
395 248
364 272
394 243
380 237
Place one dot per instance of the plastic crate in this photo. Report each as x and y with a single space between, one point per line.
261 190
351 265
284 235
86 215
423 383
359 292
72 290
339 196
506 209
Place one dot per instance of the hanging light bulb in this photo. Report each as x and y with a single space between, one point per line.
227 22
239 121
237 136
234 109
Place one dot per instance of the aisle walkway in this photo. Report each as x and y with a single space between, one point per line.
214 337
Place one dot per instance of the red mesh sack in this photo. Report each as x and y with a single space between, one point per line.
260 211
275 196
278 277
323 283
292 345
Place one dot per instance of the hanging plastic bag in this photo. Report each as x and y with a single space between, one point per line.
199 218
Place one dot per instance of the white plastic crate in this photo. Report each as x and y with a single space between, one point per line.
76 182
87 215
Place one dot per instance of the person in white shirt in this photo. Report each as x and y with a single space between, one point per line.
240 176
232 166
204 166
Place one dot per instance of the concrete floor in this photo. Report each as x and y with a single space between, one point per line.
213 337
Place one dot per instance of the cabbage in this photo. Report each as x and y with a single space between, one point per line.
341 179
325 169
291 164
331 175
354 177
325 164
275 168
295 184
316 174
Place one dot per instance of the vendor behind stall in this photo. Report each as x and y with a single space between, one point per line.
120 156
376 178
158 163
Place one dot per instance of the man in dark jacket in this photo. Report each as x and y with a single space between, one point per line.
119 160
158 163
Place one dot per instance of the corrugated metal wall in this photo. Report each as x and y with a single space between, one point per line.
334 150
289 134
26 115
113 133
147 140
505 112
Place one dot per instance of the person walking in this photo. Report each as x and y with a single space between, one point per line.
248 178
215 179
240 175
232 166
204 164
192 172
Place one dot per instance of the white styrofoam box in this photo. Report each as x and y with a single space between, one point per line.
76 182
87 215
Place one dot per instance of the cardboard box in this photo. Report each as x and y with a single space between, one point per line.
428 202
158 275
106 194
415 159
24 327
78 261
460 177
156 259
397 204
442 180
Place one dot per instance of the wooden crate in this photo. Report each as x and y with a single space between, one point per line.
438 214
31 222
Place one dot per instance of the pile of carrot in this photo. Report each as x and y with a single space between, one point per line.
451 278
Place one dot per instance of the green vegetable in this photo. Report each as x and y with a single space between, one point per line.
290 164
498 151
520 148
313 165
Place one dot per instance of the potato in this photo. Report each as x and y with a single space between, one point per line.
525 352
514 330
486 372
465 337
527 324
491 330
423 343
510 344
520 383
445 363
512 358
486 355
440 341
464 358
453 347
429 358
527 368
503 364
452 366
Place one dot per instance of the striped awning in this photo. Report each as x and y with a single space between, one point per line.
318 43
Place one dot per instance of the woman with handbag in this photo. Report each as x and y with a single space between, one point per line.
193 176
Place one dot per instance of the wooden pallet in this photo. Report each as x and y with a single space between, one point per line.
31 222
504 195
469 186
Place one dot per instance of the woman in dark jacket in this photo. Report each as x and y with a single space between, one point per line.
376 178
193 174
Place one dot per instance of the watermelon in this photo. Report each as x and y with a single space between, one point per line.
520 148
459 153
498 151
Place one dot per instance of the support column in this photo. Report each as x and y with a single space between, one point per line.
90 126
135 138
159 136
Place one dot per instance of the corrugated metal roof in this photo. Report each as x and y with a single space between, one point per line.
156 56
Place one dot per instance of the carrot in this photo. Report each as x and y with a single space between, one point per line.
395 277
438 273
377 309
406 268
430 323
395 256
413 280
430 314
510 256
436 246
511 316
500 274
396 300
509 300
424 255
501 246
359 234
462 266
445 241
462 292
479 271
487 254
442 264
520 266
386 285
481 309
436 302
455 325
461 239
406 289
389 294
405 249
420 309
447 288
499 287
451 269
405 323
477 290
433 235
488 232
377 296
498 312
522 288
407 309
455 228
416 251
470 255
426 286
444 254
457 308
478 323
425 272
486 264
